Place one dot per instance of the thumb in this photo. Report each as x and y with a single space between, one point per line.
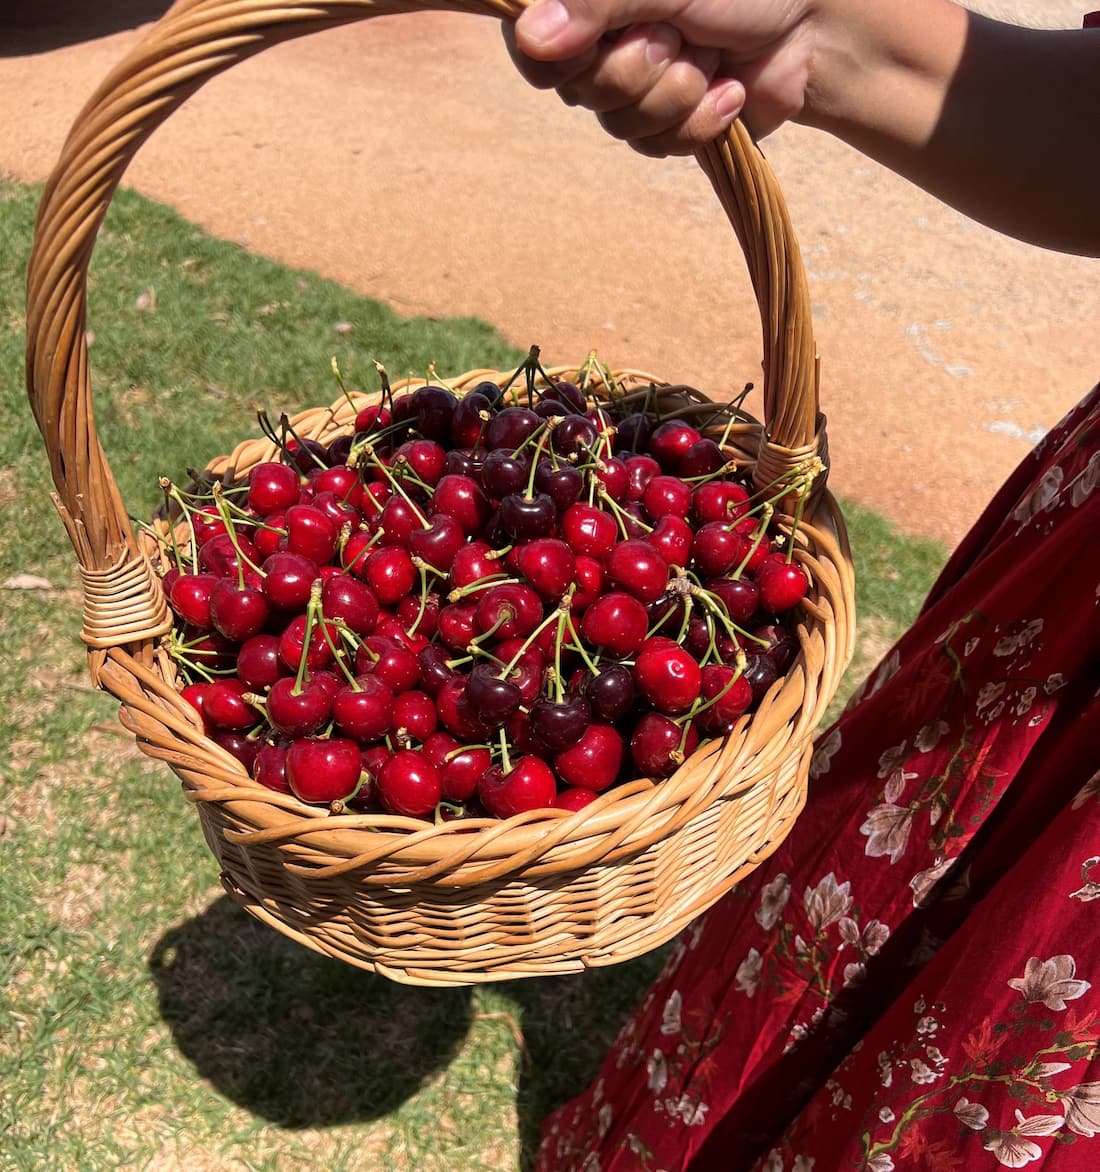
553 30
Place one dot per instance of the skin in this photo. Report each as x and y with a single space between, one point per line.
999 121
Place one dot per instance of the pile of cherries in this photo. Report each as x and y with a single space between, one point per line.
480 604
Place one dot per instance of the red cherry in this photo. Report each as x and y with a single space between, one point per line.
718 500
616 623
655 745
269 768
364 710
288 580
782 584
640 470
671 441
390 573
528 785
346 598
438 543
415 713
409 784
462 498
672 538
718 548
511 608
273 487
424 457
736 698
574 799
667 495
237 612
224 706
396 665
701 459
589 531
190 598
323 770
667 676
298 712
549 566
593 763
590 583
311 533
637 567
258 663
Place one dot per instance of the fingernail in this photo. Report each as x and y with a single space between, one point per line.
729 100
543 21
663 44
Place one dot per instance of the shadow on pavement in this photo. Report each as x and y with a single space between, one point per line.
41 25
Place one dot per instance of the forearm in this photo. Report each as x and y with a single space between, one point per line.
998 121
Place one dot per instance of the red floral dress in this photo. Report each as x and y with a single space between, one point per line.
913 980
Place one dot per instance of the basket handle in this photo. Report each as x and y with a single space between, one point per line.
193 42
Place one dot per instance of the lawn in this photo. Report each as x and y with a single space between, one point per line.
145 1020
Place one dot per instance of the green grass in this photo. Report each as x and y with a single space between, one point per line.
145 1021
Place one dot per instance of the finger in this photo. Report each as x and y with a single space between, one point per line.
547 75
552 30
711 117
626 71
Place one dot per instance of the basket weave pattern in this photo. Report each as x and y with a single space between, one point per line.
545 892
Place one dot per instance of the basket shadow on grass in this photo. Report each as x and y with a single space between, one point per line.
277 1028
302 1040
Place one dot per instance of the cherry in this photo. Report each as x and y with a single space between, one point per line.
782 645
340 480
298 712
467 426
615 623
594 762
457 715
438 543
665 495
364 710
273 487
671 441
225 706
494 698
373 417
736 698
590 579
434 409
415 713
611 693
562 484
311 533
574 799
637 567
224 555
511 427
633 433
338 511
740 596
718 548
655 745
640 470
573 436
508 609
348 599
396 665
672 537
269 768
527 517
288 580
462 498
323 770
304 455
237 612
667 676
566 393
409 784
718 500
502 473
528 785
424 457
399 520
611 473
319 651
548 565
434 671
190 598
258 663
560 723
782 584
390 573
458 625
760 673
589 531
703 458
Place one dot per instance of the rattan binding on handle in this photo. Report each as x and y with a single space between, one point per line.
546 892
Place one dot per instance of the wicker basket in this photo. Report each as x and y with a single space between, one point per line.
546 892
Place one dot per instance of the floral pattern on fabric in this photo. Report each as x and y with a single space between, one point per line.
918 985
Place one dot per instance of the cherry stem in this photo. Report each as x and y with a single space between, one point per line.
341 384
477 585
619 512
227 520
372 459
504 758
758 537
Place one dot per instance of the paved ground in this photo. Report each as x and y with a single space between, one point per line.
405 159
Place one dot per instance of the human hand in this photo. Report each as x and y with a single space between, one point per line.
669 76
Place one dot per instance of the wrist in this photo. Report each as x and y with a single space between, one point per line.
879 72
